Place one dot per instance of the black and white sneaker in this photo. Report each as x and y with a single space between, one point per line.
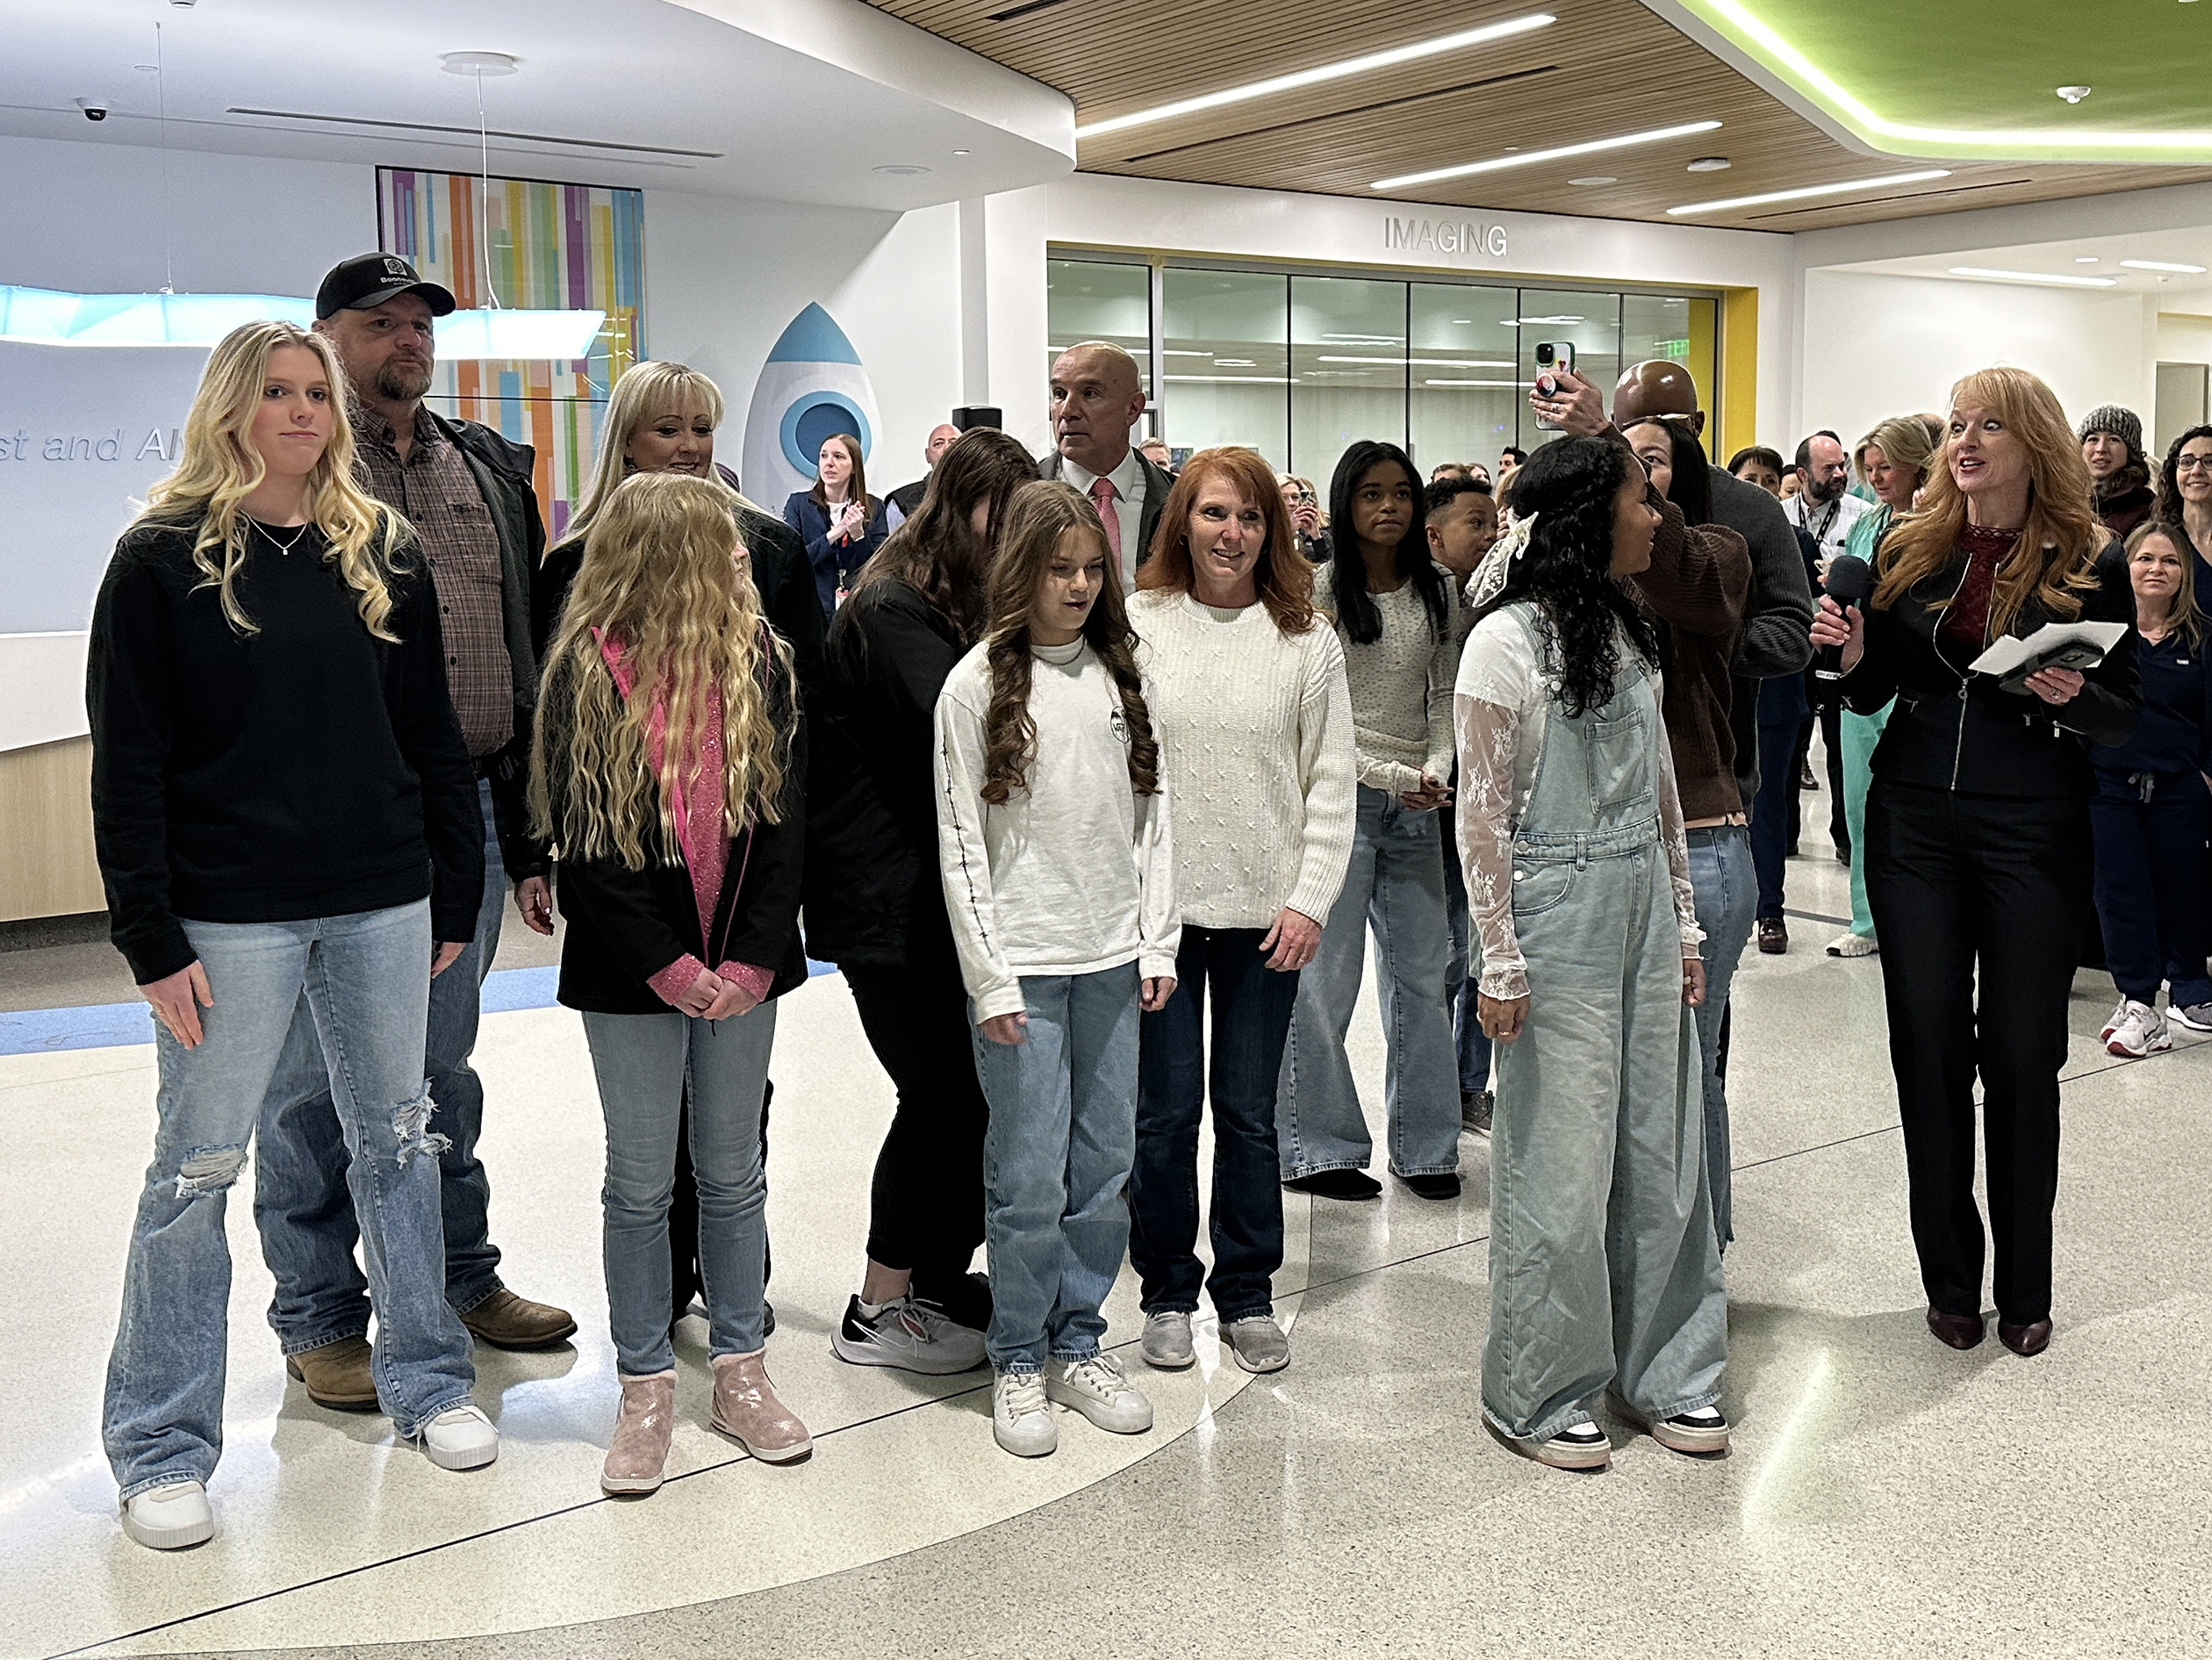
1703 1430
1581 1445
914 1337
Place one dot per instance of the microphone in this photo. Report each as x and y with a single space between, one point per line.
1850 581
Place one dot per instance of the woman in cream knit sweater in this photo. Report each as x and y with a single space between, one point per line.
1254 722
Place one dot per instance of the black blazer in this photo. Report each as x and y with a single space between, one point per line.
625 926
1157 485
1955 731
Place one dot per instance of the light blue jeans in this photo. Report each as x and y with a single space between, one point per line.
1396 887
1056 1158
362 984
300 1204
645 1063
1727 888
1460 973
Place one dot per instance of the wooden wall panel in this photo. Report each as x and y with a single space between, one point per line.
46 867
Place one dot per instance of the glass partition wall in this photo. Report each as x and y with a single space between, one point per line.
1298 366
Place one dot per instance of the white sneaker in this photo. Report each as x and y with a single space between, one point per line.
461 1438
1166 1342
2142 1031
2195 1016
1022 1415
1850 945
1096 1388
1578 1445
169 1518
914 1337
2112 1024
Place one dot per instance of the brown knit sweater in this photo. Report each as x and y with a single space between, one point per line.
1696 590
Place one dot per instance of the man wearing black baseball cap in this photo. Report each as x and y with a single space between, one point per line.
468 492
366 281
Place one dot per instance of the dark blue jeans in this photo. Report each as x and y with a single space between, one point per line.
301 1205
2150 885
1770 813
1251 1006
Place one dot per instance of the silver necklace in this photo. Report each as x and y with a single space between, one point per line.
270 535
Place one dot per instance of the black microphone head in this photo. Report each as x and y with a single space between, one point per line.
1850 579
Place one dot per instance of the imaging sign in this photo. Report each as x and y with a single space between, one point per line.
1467 239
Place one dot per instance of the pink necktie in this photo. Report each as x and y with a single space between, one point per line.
1102 492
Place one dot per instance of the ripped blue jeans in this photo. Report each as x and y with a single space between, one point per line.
363 980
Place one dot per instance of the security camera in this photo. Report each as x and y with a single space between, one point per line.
95 109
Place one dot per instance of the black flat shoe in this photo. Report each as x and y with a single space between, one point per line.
1337 1184
2025 1340
1443 1184
1960 1331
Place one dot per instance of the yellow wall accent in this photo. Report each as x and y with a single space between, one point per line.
46 825
1736 416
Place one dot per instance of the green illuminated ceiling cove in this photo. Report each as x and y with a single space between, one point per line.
1977 79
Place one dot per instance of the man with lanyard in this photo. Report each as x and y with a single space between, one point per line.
468 492
1825 510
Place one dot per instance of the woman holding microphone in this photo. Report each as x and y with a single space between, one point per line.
1978 856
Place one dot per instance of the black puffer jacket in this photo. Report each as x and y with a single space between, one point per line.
874 897
1955 731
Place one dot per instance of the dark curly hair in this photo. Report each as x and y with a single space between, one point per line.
1355 608
935 551
1037 517
1569 487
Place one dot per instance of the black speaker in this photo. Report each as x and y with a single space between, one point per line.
967 420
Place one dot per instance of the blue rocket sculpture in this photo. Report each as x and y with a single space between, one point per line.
812 386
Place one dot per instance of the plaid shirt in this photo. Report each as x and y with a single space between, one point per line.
439 495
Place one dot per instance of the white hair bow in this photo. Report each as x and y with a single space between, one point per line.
1497 564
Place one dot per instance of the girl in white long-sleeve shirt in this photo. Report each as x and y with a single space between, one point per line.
1052 836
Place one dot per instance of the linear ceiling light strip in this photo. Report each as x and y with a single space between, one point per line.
1528 158
1269 88
1845 188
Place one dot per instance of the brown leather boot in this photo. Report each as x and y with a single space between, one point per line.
337 1375
746 1408
508 1321
639 1451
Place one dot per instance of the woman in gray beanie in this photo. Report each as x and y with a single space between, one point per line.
2119 476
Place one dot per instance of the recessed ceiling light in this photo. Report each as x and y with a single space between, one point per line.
2162 265
2075 94
901 169
1595 178
1846 188
1655 136
2085 259
479 63
1323 72
962 152
1710 164
2052 278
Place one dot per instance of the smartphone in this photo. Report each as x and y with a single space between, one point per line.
1552 355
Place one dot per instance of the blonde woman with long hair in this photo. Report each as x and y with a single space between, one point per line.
669 774
663 418
287 828
1978 855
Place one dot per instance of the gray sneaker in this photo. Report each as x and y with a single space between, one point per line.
913 1336
1475 1107
1257 1342
1095 1387
1166 1345
2197 1016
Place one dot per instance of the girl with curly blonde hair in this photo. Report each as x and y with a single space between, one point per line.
669 773
1053 846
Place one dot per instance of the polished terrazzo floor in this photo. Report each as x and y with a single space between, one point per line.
1884 1496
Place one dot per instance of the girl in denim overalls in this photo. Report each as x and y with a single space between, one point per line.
1605 1270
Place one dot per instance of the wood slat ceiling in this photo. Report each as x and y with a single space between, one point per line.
1607 66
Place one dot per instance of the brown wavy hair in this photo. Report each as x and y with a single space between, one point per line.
1282 575
1039 516
937 552
2054 560
660 575
857 488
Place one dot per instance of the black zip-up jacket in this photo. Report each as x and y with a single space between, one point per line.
307 770
625 926
873 896
1952 730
